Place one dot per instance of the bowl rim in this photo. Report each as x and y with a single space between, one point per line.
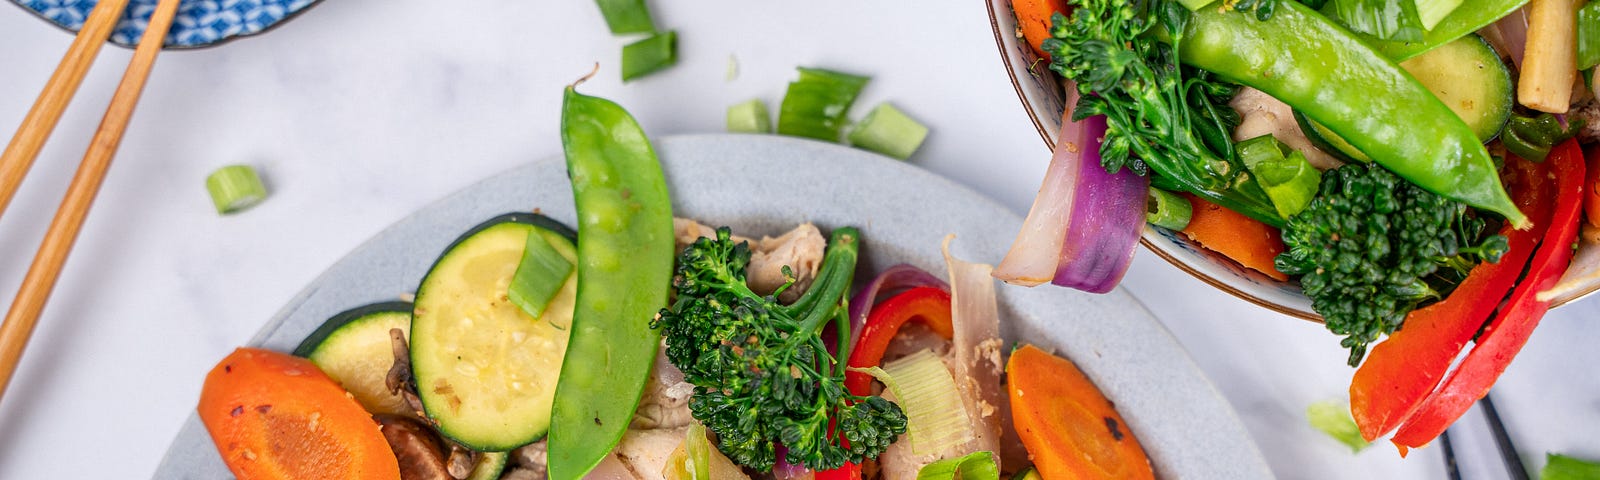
1144 239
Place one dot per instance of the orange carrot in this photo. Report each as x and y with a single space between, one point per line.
1069 428
1243 239
277 417
1033 16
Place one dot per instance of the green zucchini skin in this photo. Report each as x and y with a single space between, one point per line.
1325 140
458 308
490 465
1468 75
346 317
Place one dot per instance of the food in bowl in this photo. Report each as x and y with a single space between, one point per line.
1392 166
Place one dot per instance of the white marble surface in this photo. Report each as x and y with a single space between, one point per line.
361 111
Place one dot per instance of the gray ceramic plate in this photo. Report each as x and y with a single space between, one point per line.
765 184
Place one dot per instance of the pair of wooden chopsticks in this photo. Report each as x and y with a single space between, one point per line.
30 138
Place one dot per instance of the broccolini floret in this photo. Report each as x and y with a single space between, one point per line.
1371 247
761 371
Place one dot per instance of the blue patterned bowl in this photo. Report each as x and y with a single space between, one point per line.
200 23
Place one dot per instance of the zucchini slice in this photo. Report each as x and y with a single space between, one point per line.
354 349
485 370
1469 77
489 466
1327 141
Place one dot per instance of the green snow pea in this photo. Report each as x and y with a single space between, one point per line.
1467 18
624 273
1307 61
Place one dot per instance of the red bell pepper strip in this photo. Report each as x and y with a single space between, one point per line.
928 305
1509 331
1592 200
1402 370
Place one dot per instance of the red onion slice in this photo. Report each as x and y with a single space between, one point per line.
1108 213
892 280
1036 253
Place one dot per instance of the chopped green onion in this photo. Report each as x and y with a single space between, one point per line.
1384 19
1286 175
626 16
1167 210
234 188
925 389
975 466
1432 11
733 69
889 131
750 117
540 275
1531 138
1589 35
1334 419
815 105
1562 467
647 56
698 448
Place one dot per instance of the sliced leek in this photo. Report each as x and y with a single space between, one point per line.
926 391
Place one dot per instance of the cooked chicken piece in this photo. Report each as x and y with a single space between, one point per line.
800 249
612 468
665 403
645 452
1264 115
534 456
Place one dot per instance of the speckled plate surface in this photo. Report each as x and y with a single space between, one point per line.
199 23
762 184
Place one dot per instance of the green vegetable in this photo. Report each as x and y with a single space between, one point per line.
541 273
354 349
626 16
1193 5
750 117
1562 467
925 388
1431 12
489 466
1371 247
480 389
1333 418
1029 473
1589 35
1468 76
815 105
761 370
1327 141
1285 173
1531 138
1167 210
889 131
1395 20
649 55
1470 17
625 245
698 448
974 466
234 188
1318 68
1161 117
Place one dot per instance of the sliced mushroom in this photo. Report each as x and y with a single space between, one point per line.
421 452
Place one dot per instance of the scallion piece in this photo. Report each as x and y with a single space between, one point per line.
1334 419
1562 467
1589 35
974 466
540 275
889 131
698 448
926 391
1385 19
1286 175
1168 210
626 16
816 105
1430 12
234 188
750 117
649 55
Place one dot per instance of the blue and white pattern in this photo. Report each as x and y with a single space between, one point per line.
199 22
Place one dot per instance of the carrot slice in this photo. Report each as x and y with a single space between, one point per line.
277 417
1033 17
1240 238
1068 426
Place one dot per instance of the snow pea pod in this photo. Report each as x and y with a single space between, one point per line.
1302 58
1467 18
624 272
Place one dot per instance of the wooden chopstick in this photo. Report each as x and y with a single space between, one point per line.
57 243
63 84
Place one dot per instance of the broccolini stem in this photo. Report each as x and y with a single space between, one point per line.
833 283
841 334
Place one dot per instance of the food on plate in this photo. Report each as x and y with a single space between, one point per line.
642 346
1070 429
1415 168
